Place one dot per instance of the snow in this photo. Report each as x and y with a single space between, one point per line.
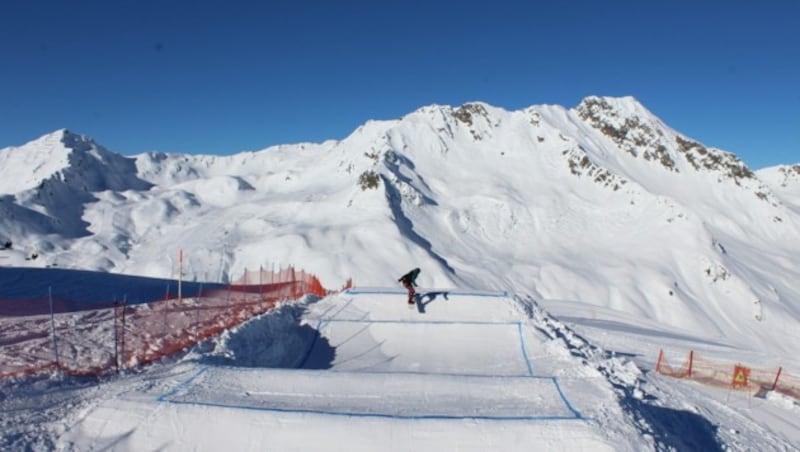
49 157
784 181
442 377
359 370
560 252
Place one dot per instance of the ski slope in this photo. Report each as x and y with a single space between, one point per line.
464 370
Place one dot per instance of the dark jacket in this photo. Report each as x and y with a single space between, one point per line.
410 277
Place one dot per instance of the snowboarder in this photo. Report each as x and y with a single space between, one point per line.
409 281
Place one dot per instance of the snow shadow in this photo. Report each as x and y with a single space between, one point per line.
24 291
671 429
406 227
276 340
674 429
424 299
614 325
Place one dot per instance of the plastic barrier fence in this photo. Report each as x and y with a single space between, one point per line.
728 375
47 334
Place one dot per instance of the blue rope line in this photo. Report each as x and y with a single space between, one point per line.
443 374
433 322
524 351
564 398
379 415
356 291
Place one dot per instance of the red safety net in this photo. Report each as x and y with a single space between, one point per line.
730 375
45 334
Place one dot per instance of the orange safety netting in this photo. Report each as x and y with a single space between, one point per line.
728 375
47 334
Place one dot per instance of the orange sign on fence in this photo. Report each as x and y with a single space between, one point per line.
740 376
710 372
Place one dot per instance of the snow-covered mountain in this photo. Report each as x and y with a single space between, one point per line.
617 235
602 203
46 184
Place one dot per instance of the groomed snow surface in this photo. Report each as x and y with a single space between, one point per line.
374 375
462 370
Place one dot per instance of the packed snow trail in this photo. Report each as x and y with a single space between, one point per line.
465 370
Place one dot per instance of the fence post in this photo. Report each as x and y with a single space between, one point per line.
197 315
230 306
658 363
261 286
122 340
691 362
775 383
116 336
165 308
53 326
180 274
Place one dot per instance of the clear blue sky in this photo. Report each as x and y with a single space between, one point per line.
219 77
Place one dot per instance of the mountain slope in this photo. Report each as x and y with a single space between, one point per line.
602 203
46 183
546 203
785 182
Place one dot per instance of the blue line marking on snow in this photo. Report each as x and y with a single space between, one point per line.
433 322
528 364
311 347
190 380
524 352
564 398
522 376
378 415
442 374
357 291
381 292
576 414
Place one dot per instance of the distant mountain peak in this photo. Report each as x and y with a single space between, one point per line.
616 112
61 140
631 126
641 134
790 174
62 156
788 170
615 105
468 111
76 141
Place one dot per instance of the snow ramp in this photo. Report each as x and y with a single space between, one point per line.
458 371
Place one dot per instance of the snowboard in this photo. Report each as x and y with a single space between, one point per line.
417 304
